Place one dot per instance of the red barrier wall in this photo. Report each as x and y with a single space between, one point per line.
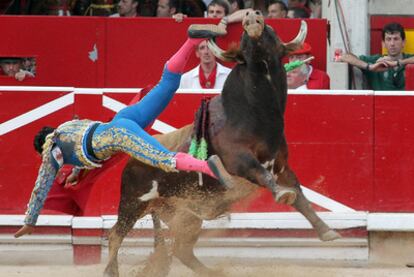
409 77
353 149
131 51
394 153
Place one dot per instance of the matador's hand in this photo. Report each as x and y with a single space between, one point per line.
26 229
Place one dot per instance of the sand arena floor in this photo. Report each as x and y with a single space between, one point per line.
237 268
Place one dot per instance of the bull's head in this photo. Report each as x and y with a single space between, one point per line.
255 29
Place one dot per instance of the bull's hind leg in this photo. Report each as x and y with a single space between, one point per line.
287 177
159 263
129 213
132 206
186 229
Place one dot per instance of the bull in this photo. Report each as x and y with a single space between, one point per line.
245 128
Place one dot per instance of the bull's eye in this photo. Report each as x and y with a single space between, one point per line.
247 13
258 13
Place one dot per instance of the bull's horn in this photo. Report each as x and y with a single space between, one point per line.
297 42
217 51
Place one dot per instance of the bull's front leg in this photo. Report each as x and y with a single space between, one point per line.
286 177
247 166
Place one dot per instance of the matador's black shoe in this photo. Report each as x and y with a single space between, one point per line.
206 31
221 173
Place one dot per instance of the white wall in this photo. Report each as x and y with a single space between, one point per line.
357 27
389 7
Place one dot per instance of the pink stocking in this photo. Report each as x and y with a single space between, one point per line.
177 62
186 162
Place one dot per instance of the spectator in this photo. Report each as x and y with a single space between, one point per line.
193 8
190 8
277 9
93 7
312 7
10 66
316 79
147 8
384 72
316 8
296 78
13 67
236 5
209 74
127 8
29 64
298 12
166 8
296 3
218 9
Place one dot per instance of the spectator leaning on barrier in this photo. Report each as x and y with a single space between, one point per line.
166 8
316 79
127 8
384 72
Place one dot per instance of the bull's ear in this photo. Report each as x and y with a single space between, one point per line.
297 42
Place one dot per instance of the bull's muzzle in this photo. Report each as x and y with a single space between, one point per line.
253 24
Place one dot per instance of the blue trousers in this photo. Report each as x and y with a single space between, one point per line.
125 133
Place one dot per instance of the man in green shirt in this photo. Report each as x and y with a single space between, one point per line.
384 72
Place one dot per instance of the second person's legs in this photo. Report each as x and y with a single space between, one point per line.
125 136
151 106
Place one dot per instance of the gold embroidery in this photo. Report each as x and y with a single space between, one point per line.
74 132
114 140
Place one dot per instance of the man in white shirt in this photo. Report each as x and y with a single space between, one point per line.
209 74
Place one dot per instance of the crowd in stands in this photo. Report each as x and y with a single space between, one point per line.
208 74
19 68
381 72
190 8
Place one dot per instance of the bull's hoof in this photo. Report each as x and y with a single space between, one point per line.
217 167
330 235
410 265
157 265
111 272
285 196
205 31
